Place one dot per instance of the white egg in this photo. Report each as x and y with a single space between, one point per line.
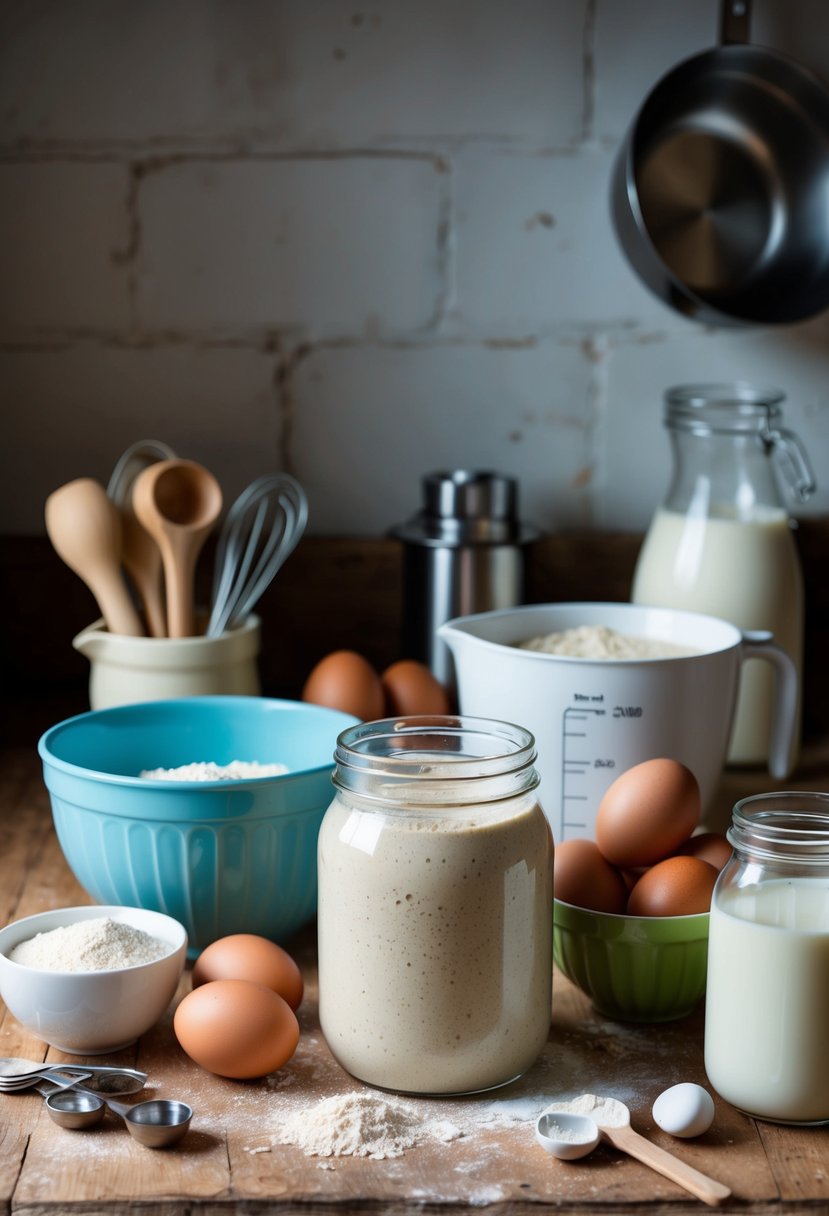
684 1110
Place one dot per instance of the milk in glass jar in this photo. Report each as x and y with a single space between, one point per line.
767 1000
435 906
721 543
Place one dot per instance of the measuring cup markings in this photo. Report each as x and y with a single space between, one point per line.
575 764
580 762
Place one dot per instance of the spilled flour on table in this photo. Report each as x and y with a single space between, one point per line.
361 1125
476 1150
370 1124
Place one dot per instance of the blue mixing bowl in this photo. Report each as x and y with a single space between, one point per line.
229 856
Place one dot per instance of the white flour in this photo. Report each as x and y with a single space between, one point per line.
361 1125
600 642
566 1135
98 944
606 1111
206 770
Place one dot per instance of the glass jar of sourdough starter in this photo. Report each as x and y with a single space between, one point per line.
767 1003
721 543
435 906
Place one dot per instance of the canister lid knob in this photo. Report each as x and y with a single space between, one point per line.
470 494
467 506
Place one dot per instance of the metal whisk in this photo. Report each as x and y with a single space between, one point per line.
260 530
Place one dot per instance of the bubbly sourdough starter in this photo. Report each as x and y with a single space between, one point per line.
435 943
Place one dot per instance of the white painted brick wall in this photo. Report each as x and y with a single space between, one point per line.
344 246
367 427
535 247
355 241
64 246
296 73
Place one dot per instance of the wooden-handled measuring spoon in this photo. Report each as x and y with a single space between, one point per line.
622 1136
84 527
178 502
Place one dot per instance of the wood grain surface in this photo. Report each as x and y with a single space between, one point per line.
232 1160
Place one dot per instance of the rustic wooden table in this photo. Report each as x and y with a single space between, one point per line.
232 1160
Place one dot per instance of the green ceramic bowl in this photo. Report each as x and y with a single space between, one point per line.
633 968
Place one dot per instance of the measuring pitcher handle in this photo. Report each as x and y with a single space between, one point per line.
759 644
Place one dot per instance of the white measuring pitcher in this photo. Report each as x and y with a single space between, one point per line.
595 718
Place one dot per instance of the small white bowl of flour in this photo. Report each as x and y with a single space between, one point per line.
91 979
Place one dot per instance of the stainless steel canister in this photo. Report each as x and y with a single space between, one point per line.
464 552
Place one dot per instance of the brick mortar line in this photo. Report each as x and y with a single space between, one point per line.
620 333
81 152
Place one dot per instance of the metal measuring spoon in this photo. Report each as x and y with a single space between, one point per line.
72 1115
15 1068
156 1123
115 1081
17 1074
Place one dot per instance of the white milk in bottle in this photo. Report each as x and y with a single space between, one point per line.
767 1001
722 541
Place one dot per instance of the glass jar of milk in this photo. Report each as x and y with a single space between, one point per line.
435 906
721 543
767 1002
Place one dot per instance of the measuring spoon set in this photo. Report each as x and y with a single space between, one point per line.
77 1097
152 521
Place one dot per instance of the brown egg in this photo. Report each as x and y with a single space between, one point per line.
246 956
411 688
236 1029
647 813
346 681
708 846
678 886
581 876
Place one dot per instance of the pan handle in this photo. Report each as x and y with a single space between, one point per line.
735 18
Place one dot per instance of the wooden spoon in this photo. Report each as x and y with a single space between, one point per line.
85 528
141 555
625 1138
620 1134
178 502
142 560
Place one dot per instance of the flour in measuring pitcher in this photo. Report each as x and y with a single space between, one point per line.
601 642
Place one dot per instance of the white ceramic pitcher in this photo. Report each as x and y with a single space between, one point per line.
125 669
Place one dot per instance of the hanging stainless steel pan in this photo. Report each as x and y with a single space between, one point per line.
720 191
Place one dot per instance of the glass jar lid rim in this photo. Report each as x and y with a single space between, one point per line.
729 407
790 824
392 740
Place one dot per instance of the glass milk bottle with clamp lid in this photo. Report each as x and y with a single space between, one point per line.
721 543
767 998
